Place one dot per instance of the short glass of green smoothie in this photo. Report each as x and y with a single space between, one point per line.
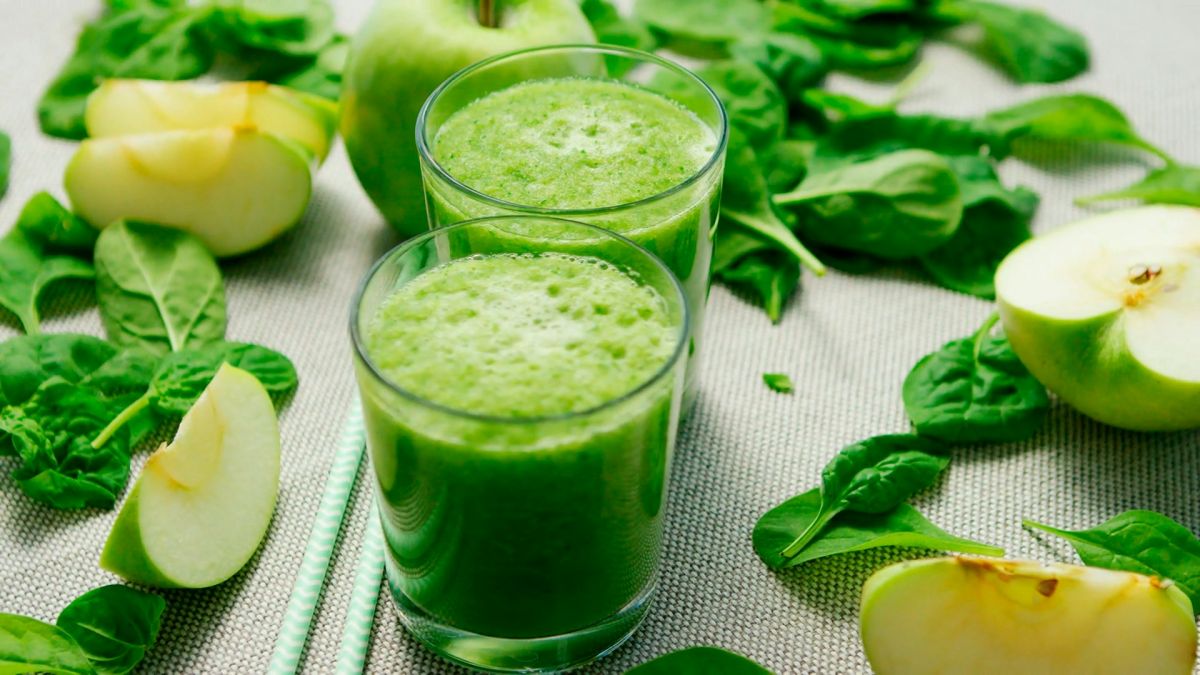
611 136
521 380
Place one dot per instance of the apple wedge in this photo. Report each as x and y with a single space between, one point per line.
124 107
202 504
1106 313
985 615
235 188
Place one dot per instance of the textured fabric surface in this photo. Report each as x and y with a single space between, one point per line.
846 341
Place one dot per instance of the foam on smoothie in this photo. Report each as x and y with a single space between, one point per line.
522 335
573 143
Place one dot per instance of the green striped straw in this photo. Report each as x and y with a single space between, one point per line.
360 615
297 618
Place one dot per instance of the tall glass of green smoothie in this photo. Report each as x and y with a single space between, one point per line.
611 136
521 380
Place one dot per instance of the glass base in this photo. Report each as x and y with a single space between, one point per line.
552 654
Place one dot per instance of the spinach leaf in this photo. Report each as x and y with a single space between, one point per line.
870 133
785 163
26 270
611 27
49 224
114 626
848 532
755 267
27 361
158 288
320 75
899 205
872 476
855 45
1065 118
794 62
858 9
702 27
753 102
5 161
1172 184
1028 45
182 376
699 661
833 107
1139 541
138 40
778 382
292 28
28 645
975 390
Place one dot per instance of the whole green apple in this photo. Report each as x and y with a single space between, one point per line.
1106 313
405 49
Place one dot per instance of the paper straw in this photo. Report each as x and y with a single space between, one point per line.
360 615
297 618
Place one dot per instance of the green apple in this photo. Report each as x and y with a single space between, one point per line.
405 49
984 615
202 504
123 107
1106 313
235 188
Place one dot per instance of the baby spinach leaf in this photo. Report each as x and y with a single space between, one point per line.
753 102
49 224
319 75
1065 118
785 163
899 205
794 62
26 270
1172 184
849 531
858 9
975 390
5 161
1139 541
778 382
699 661
833 107
27 361
31 646
872 476
292 28
114 626
702 27
753 266
182 376
158 288
1028 45
870 133
613 28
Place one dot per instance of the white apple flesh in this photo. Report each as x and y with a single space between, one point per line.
1106 313
123 107
202 504
987 616
235 188
405 49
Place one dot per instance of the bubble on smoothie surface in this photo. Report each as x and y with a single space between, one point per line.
522 335
573 143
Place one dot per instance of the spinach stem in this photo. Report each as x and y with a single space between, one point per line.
983 332
120 420
790 244
814 528
906 86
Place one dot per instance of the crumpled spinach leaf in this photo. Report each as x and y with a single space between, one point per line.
319 75
699 661
975 390
1172 184
794 62
26 270
702 27
753 102
1027 44
850 531
277 27
114 626
28 361
31 646
182 376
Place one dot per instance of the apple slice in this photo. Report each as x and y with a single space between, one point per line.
203 503
123 107
984 615
235 188
1106 313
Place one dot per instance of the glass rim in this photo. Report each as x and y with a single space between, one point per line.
671 362
425 151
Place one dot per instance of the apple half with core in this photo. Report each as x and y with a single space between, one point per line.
984 615
235 188
123 107
202 504
1106 313
405 49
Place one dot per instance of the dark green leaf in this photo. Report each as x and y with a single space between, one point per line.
30 646
785 163
1139 541
1172 184
856 45
702 27
158 288
182 376
866 134
765 272
833 107
848 532
975 390
320 75
5 161
753 102
276 27
1028 45
114 626
27 361
611 27
1064 118
793 61
858 9
51 225
700 661
778 382
26 269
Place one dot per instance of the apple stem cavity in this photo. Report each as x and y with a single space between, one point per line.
488 16
120 420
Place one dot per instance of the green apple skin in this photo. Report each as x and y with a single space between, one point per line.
124 553
1087 365
405 49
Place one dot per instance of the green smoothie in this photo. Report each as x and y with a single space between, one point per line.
587 145
518 513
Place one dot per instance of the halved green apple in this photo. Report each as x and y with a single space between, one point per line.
1106 313
202 504
985 615
123 107
236 188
